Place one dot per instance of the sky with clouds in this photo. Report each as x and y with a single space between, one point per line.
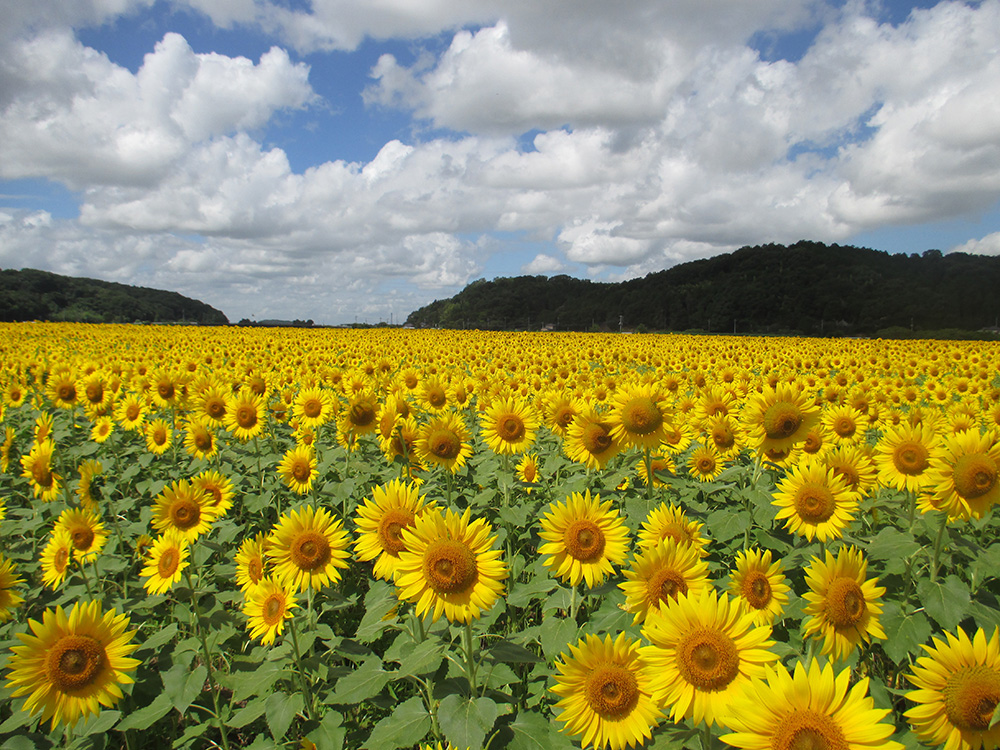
352 160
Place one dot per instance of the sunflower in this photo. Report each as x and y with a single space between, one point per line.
527 471
705 463
589 440
401 441
660 574
660 465
45 483
903 455
70 665
130 412
14 393
199 440
677 436
559 411
607 694
56 557
780 417
184 509
359 418
668 521
165 389
44 424
102 429
212 403
251 562
449 566
845 424
810 709
444 442
61 390
958 689
9 598
217 489
705 648
267 606
760 584
85 529
963 479
245 415
313 407
159 437
583 539
298 468
639 416
815 440
814 501
853 464
508 426
164 562
433 394
725 434
96 396
308 548
843 607
380 522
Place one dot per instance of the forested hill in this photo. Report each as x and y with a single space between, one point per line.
39 295
809 288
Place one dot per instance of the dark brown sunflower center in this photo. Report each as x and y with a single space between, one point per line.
61 559
666 585
203 440
814 504
390 530
160 435
528 472
66 392
436 397
185 513
132 412
641 416
584 540
975 474
449 566
970 696
215 408
246 417
910 458
95 393
310 550
597 439
273 609
258 386
301 470
848 473
805 729
74 662
166 566
362 414
781 420
723 438
510 428
756 589
564 416
255 570
845 602
813 443
708 659
444 444
312 408
612 691
41 472
845 426
166 391
705 464
83 537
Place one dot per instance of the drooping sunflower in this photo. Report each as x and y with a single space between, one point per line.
298 468
45 483
705 463
669 521
245 413
165 562
308 548
251 562
589 439
449 566
380 521
760 584
607 694
814 502
199 440
705 649
85 529
509 426
217 489
184 509
159 436
267 606
964 479
639 416
660 574
810 709
87 486
958 689
444 441
780 417
583 539
56 557
71 665
844 607
10 599
903 455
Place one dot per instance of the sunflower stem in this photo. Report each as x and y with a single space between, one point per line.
212 684
706 737
938 541
572 603
86 581
648 461
306 688
470 661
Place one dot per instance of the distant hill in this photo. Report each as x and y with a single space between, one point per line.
807 288
39 295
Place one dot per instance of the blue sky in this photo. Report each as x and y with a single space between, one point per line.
340 160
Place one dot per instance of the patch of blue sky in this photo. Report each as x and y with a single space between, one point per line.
937 235
39 194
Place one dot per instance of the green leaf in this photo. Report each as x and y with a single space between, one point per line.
379 602
906 631
555 634
531 731
281 710
465 721
182 686
423 659
16 720
158 639
947 601
406 726
512 653
538 587
98 724
363 683
146 716
891 544
728 523
250 712
330 733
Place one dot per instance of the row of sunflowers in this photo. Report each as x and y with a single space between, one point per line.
387 538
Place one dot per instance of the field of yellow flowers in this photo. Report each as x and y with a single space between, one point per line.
392 539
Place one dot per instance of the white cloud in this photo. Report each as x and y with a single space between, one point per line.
543 264
988 245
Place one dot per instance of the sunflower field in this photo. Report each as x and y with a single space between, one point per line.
276 538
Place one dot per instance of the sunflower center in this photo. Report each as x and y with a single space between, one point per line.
845 426
805 729
41 472
168 562
708 659
216 409
66 392
310 550
444 444
61 559
255 570
362 414
390 530
705 464
312 408
597 439
449 566
301 471
678 532
246 417
273 609
781 420
848 473
611 691
74 662
910 458
185 513
666 585
83 537
845 602
437 398
564 416
813 443
723 438
970 697
95 393
160 436
640 416
132 412
166 391
584 540
203 440
975 475
510 428
814 504
756 590
528 472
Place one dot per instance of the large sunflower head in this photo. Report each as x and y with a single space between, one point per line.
216 489
72 664
964 479
903 455
509 426
380 522
85 529
251 562
853 463
165 562
444 441
668 521
38 470
449 566
780 417
308 548
245 415
639 416
199 439
56 558
583 539
267 606
814 502
589 440
760 585
298 468
658 575
183 508
313 407
10 599
845 424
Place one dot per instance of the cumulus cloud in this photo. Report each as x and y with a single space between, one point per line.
988 245
543 264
